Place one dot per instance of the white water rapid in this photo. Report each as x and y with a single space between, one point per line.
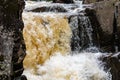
82 66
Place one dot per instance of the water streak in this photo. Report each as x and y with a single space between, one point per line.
82 33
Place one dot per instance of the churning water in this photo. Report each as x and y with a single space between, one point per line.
48 37
82 66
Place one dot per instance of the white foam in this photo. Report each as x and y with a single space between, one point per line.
83 66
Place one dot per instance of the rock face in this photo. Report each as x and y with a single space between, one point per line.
103 17
12 47
105 14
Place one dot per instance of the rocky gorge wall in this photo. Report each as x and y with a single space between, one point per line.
107 21
107 25
12 47
105 12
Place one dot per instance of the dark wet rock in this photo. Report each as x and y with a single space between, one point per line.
112 63
63 1
12 46
106 25
49 9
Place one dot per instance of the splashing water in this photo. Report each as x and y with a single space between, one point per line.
83 66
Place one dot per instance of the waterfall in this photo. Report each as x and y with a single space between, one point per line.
45 35
51 35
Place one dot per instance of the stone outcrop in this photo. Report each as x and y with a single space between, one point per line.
12 47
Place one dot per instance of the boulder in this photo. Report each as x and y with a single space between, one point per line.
12 47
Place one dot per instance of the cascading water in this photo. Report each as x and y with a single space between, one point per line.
82 33
50 39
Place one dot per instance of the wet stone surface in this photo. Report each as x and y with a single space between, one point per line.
12 46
